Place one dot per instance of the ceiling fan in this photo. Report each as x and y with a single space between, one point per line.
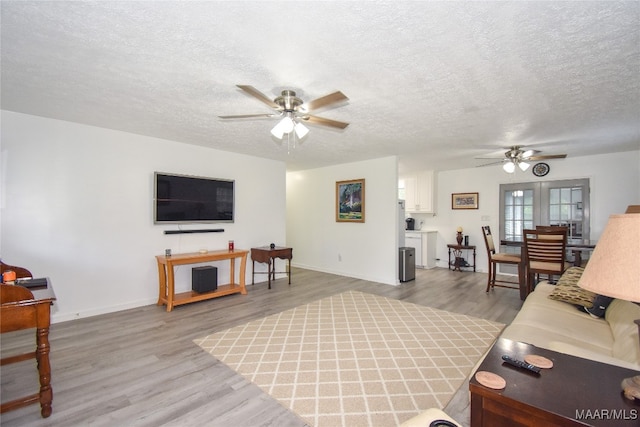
517 156
293 110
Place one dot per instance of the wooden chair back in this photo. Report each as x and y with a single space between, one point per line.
488 240
545 250
21 273
554 229
11 293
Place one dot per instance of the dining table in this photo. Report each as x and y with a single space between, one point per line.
576 246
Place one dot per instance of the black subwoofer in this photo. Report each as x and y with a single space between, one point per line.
204 279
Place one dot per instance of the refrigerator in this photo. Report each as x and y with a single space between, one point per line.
401 223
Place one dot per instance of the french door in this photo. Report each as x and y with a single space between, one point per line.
563 203
525 205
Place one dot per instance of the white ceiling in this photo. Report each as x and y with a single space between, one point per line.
436 83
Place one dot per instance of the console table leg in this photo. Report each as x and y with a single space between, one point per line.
171 288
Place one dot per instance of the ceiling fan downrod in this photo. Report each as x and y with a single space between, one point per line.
288 101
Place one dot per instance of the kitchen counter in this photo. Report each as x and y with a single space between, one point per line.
424 243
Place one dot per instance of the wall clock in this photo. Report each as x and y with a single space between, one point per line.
540 169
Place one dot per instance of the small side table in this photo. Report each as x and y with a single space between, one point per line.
575 392
457 253
268 255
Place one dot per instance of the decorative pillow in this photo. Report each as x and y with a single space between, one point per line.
567 289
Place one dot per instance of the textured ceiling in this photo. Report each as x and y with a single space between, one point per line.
436 83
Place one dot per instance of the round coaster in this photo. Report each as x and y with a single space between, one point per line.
539 361
491 380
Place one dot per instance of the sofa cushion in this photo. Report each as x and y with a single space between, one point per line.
567 289
621 315
562 347
543 320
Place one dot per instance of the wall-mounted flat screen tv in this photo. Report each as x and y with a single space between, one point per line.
192 199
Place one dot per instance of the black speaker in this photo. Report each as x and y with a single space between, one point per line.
204 279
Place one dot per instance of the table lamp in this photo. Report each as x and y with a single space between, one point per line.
612 271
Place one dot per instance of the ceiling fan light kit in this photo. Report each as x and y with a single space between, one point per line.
521 158
292 110
509 167
301 130
285 125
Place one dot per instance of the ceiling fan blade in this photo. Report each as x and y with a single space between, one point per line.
550 156
259 95
492 163
332 98
325 122
247 116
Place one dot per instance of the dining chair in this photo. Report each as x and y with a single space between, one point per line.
569 257
496 258
544 252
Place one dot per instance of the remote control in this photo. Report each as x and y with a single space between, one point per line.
520 364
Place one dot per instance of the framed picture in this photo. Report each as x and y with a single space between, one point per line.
350 201
464 201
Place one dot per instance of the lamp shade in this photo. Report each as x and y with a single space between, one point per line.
287 124
278 130
301 130
612 269
509 167
523 166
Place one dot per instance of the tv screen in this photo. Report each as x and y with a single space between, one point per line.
192 199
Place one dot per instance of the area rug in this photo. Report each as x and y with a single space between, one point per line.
356 359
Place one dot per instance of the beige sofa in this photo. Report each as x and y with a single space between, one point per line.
561 327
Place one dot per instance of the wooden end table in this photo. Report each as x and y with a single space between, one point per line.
268 255
575 392
457 253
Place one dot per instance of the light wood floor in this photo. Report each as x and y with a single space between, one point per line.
140 367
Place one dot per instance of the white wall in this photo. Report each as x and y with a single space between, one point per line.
77 207
366 250
614 181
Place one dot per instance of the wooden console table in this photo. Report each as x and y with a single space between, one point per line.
268 255
166 285
574 392
457 253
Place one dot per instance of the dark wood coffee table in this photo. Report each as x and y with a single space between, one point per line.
575 392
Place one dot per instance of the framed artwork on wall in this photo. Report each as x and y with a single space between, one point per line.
350 201
464 201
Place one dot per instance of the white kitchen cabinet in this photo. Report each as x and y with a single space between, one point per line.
414 240
424 243
419 192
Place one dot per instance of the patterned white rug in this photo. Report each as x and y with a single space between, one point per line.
356 359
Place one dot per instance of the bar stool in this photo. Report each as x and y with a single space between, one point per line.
496 258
